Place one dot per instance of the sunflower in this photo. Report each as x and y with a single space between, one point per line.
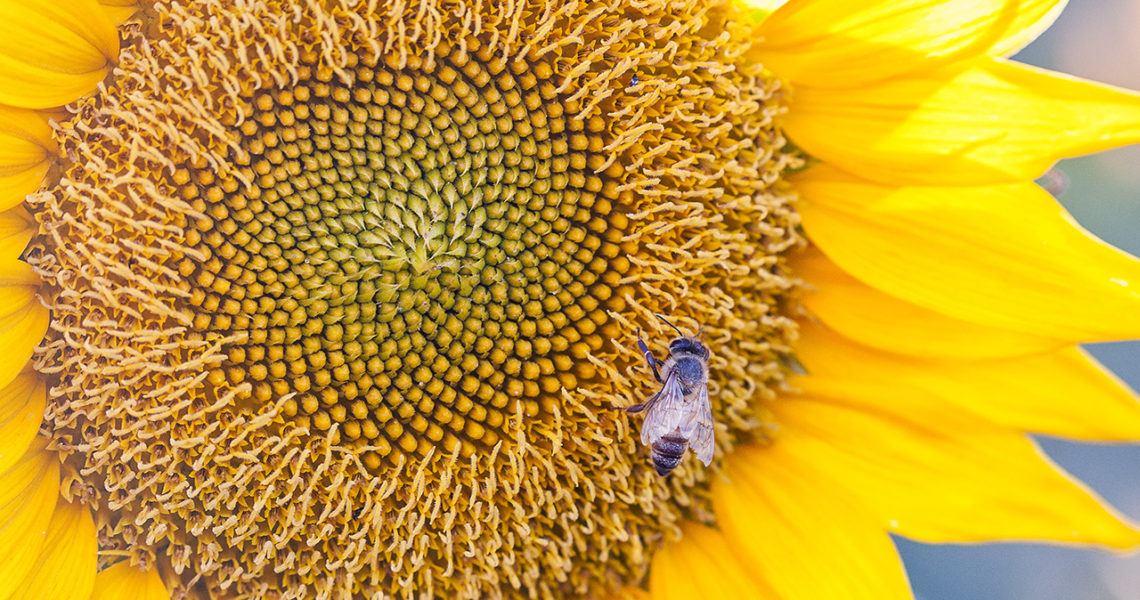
335 299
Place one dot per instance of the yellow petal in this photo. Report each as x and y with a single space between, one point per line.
871 317
702 565
623 594
53 51
1036 393
28 494
801 531
119 11
762 8
16 230
944 480
1002 256
65 568
23 320
25 149
993 122
839 43
21 411
121 581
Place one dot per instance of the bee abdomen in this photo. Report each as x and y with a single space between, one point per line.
666 453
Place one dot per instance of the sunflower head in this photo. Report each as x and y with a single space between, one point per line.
342 294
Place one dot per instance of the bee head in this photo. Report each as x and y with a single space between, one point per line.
688 345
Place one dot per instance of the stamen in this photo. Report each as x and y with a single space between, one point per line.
341 292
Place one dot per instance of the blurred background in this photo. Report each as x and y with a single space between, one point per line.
1100 40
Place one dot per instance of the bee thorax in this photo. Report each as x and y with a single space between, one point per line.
690 370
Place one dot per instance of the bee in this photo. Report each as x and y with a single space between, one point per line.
679 415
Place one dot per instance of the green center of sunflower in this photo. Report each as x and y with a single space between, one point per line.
342 300
416 249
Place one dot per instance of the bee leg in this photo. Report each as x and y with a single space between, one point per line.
636 408
649 358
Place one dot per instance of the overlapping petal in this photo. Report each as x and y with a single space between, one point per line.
802 531
702 565
1036 393
762 8
122 581
29 491
21 411
53 51
843 44
16 229
869 316
23 320
1007 257
952 479
65 567
119 11
989 122
25 150
935 447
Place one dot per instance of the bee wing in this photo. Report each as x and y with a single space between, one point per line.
698 426
667 412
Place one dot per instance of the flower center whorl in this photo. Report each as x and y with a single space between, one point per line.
342 299
418 250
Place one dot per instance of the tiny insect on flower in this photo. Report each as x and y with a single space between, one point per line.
679 415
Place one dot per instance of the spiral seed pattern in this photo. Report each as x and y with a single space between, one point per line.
343 295
421 247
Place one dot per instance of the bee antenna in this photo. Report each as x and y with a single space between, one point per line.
701 330
666 321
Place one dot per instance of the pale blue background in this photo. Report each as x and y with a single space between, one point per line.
1097 39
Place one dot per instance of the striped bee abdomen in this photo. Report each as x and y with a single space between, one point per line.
667 452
